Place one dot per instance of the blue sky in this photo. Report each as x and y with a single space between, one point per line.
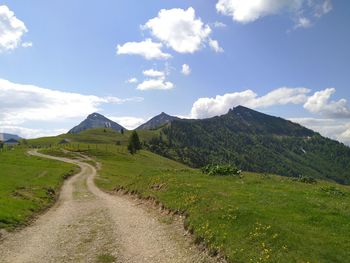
60 60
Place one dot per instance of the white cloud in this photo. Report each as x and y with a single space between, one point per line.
128 122
21 103
11 29
155 84
154 73
282 96
331 128
29 133
345 136
303 22
132 80
218 24
214 44
209 107
320 103
156 81
186 70
27 44
179 29
147 49
336 126
250 11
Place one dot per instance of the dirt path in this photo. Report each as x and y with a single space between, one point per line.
88 225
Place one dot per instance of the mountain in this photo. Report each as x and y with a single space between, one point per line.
256 142
96 120
7 136
157 121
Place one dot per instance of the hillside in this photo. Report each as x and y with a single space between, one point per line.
96 120
263 217
253 218
157 121
254 142
93 136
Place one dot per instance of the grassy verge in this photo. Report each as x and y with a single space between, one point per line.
257 218
28 185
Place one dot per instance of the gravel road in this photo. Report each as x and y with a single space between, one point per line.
88 225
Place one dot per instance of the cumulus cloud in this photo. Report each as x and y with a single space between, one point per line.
345 135
21 103
154 73
128 122
11 29
155 84
179 29
332 128
209 107
132 80
282 96
250 11
320 103
147 49
214 44
336 125
186 70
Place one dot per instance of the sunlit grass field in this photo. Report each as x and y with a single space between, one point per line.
94 137
28 185
257 218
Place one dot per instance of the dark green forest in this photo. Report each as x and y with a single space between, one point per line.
256 142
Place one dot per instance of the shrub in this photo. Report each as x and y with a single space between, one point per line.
331 190
305 179
221 170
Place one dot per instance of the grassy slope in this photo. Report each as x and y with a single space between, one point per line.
25 185
94 136
254 219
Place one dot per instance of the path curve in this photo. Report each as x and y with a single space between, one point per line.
86 224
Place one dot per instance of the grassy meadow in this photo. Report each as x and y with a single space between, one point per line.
94 137
28 185
257 218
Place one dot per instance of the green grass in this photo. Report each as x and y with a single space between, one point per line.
94 137
106 258
259 218
28 185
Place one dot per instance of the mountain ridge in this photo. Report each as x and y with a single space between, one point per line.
8 136
256 142
96 120
157 121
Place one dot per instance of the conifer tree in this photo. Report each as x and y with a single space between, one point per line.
134 144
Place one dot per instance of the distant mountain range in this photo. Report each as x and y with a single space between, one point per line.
157 122
96 120
7 136
254 142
